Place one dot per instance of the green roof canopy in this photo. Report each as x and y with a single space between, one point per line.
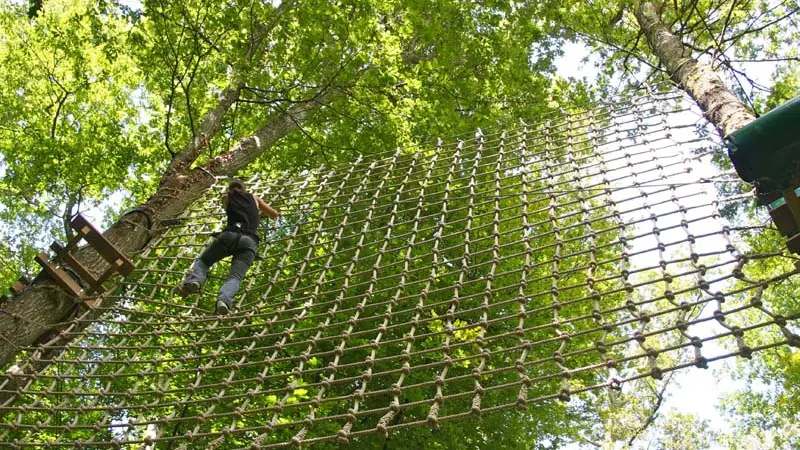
766 152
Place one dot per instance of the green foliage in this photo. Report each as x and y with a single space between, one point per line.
785 86
684 431
764 412
96 99
67 122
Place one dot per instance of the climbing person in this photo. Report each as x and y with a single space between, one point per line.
239 239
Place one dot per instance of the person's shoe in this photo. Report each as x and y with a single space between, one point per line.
189 288
222 308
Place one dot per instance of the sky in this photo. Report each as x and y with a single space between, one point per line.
132 4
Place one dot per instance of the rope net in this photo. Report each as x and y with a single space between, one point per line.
506 270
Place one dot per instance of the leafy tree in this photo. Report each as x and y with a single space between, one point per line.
66 99
764 412
266 87
223 84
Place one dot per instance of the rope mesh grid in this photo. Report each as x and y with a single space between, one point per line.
501 271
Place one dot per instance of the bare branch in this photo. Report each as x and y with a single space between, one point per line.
586 440
733 39
787 58
654 412
61 101
616 47
726 24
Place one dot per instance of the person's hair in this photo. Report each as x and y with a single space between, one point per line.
237 187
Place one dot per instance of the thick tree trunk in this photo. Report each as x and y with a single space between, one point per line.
32 317
720 105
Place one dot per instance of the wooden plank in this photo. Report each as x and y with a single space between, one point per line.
792 202
783 219
92 303
58 275
793 243
17 287
110 253
73 263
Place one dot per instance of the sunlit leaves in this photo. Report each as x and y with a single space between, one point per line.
66 118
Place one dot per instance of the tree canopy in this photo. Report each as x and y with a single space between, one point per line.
102 102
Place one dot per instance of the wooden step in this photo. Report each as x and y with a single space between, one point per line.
64 258
791 199
17 287
96 240
57 274
73 263
783 219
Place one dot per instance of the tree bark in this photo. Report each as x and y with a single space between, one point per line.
208 127
32 316
718 103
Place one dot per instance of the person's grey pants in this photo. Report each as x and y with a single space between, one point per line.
242 247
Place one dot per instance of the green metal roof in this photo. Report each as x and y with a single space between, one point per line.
766 152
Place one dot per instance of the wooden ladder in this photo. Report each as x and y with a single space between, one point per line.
64 261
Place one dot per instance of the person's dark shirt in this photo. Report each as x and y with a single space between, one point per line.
242 214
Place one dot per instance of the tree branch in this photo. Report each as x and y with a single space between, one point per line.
733 39
654 412
209 127
61 101
787 58
66 216
586 440
249 148
616 47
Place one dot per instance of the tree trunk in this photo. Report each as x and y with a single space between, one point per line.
719 104
31 317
